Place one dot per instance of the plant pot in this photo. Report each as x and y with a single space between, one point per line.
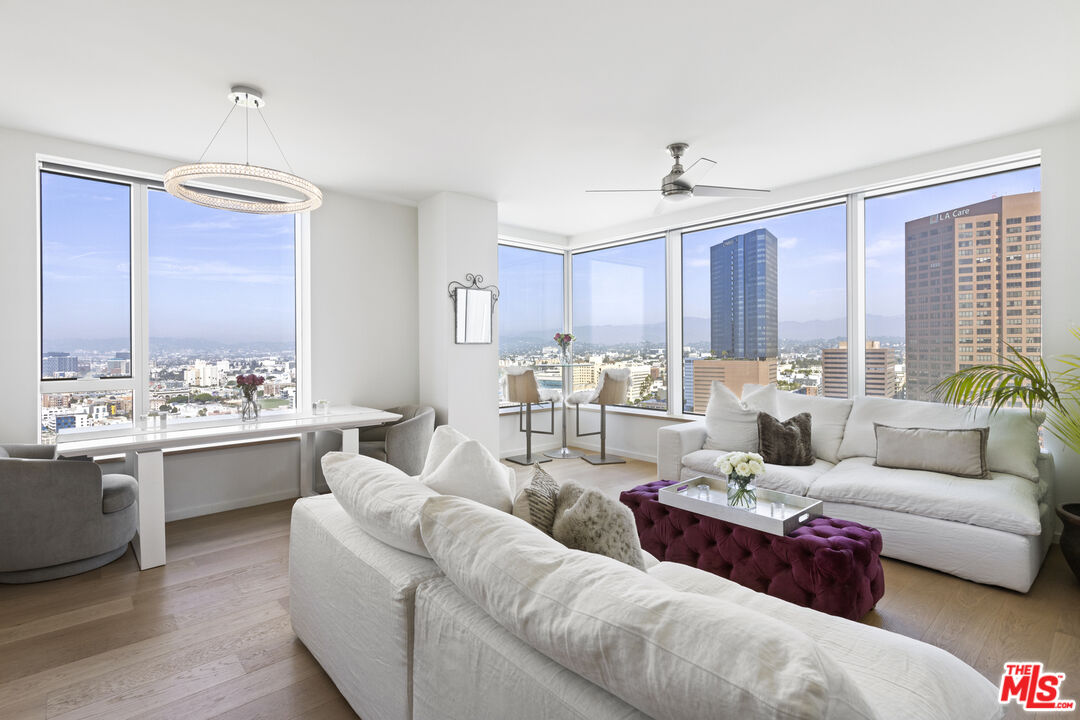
1070 535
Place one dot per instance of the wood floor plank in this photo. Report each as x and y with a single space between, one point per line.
289 702
63 621
137 702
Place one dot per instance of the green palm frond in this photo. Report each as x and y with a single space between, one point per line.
1020 380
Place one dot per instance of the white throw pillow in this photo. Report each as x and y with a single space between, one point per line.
1012 447
384 501
443 441
668 653
470 471
828 418
730 423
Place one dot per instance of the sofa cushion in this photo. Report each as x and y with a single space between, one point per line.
1012 447
586 519
384 501
730 423
629 633
901 678
828 418
443 440
1000 502
470 470
785 442
954 452
535 504
793 479
118 492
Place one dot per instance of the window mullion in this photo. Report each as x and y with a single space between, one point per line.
676 401
856 295
140 302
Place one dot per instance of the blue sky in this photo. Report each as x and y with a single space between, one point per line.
214 274
531 291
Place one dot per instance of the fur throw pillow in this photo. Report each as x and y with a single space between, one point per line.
586 519
787 442
535 504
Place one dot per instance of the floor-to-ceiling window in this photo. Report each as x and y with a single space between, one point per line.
765 301
530 311
953 274
150 304
620 318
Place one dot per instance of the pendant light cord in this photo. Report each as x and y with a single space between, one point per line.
276 143
227 116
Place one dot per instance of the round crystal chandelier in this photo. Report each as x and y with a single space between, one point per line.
178 180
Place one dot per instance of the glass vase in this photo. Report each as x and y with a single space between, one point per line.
567 356
741 493
249 409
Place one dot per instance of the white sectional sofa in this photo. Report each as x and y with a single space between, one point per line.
506 623
993 530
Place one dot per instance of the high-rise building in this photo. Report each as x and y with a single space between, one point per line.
743 277
880 371
733 373
59 364
973 278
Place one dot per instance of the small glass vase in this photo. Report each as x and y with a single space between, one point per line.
249 409
567 356
741 493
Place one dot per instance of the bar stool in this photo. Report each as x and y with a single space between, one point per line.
611 390
522 388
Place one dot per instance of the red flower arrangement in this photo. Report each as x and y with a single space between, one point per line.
563 340
249 384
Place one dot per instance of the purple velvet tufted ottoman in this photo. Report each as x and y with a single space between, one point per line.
829 565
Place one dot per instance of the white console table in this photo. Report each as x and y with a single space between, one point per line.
143 450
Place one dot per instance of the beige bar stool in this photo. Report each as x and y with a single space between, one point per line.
611 390
522 388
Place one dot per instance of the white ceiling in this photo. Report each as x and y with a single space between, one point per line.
530 103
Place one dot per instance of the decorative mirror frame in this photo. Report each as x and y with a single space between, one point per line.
466 333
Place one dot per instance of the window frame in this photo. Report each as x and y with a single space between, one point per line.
553 250
568 283
854 199
140 184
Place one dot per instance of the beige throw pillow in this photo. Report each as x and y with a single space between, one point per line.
953 452
535 504
586 519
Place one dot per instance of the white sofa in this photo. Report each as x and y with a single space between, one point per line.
403 640
994 530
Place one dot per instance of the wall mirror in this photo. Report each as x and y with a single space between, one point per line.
474 306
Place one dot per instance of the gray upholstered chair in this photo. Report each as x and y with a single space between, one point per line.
403 444
60 517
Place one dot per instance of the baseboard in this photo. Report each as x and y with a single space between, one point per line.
633 455
231 504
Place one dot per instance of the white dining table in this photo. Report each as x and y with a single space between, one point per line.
143 450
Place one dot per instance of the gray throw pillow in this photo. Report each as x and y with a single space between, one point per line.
535 504
952 452
586 519
787 442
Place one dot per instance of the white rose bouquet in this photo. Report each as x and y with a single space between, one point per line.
741 469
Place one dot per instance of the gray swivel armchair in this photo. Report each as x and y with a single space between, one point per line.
403 444
60 517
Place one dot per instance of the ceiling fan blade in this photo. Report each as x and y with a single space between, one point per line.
720 191
696 172
649 190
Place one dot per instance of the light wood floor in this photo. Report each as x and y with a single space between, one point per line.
208 635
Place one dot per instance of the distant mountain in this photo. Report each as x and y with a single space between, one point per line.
167 345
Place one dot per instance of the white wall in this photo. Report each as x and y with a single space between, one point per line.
363 322
1060 146
458 234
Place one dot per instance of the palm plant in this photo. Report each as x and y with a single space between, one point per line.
1020 380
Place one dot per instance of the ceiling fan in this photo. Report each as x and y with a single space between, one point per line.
682 184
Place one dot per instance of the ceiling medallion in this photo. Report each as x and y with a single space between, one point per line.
177 180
